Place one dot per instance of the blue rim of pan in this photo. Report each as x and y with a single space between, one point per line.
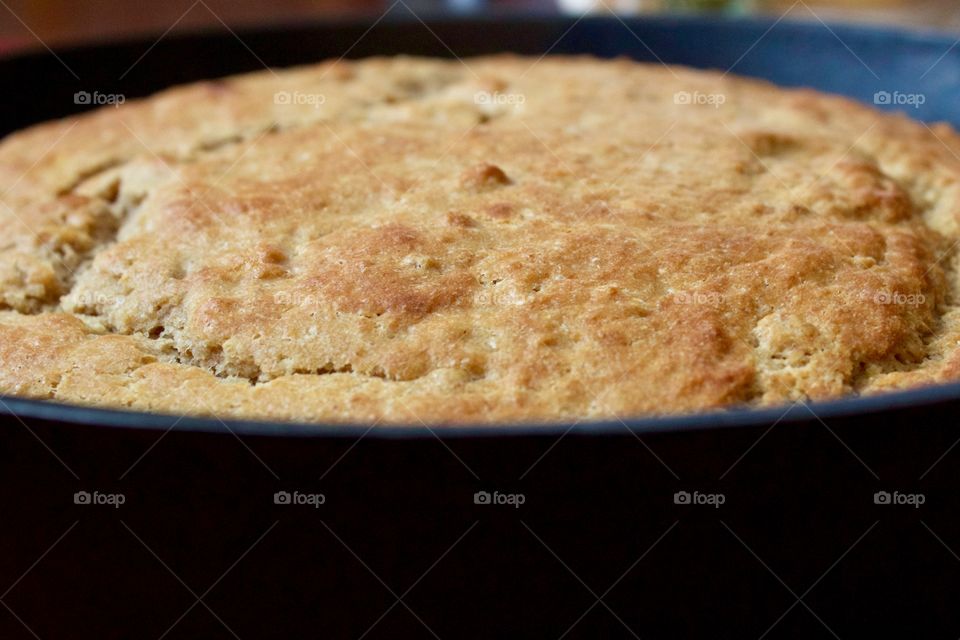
846 407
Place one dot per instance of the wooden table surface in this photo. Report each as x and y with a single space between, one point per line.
927 14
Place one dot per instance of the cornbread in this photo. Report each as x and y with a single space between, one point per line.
407 240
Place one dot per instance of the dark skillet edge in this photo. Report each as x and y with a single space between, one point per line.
735 417
903 35
785 414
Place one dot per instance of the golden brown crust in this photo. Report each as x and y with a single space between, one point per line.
406 240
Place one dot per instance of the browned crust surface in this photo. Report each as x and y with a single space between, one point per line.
406 240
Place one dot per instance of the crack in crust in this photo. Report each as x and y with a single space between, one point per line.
403 239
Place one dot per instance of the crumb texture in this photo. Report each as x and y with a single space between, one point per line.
406 240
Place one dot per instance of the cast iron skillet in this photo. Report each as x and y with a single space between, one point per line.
604 515
855 61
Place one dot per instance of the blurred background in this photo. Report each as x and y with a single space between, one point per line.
29 23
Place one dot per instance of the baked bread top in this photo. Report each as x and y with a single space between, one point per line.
407 240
